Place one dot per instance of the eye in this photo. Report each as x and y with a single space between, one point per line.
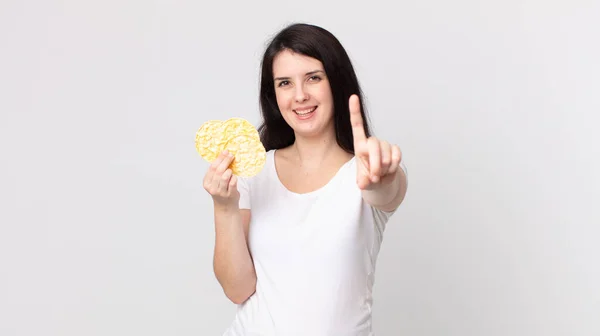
283 83
314 78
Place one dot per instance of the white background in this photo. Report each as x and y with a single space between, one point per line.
105 228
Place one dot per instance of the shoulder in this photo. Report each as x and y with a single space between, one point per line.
249 186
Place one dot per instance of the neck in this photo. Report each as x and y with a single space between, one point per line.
312 152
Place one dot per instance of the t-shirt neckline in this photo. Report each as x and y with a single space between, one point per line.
310 193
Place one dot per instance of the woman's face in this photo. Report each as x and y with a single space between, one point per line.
303 93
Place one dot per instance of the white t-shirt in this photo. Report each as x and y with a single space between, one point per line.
314 255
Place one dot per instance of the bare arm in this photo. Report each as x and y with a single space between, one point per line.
232 262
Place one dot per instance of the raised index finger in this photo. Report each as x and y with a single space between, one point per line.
358 130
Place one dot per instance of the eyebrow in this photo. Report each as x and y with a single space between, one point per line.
307 74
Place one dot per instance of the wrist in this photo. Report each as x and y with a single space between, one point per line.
226 209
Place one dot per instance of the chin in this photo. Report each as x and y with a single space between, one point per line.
316 129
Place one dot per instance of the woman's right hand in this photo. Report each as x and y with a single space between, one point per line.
220 182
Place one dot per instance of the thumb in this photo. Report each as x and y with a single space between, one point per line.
233 183
362 178
363 181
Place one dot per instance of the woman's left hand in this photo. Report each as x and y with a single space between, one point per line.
377 160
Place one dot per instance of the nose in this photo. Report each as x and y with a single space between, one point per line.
301 94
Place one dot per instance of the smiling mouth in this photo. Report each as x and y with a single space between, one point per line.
305 111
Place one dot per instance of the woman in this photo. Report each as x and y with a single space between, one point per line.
296 245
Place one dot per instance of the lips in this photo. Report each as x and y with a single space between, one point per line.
305 111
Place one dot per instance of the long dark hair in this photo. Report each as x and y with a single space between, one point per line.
318 43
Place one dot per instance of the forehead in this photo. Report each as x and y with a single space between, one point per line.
289 63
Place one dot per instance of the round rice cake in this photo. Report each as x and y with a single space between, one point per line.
208 144
249 155
234 127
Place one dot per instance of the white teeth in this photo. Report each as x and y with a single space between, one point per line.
307 111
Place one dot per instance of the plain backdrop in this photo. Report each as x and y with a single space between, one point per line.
105 228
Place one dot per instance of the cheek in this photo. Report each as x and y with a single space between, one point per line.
327 99
283 100
283 105
324 94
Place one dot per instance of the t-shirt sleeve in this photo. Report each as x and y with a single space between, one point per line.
243 187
